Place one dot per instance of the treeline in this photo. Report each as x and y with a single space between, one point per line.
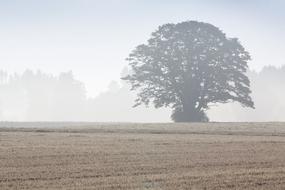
268 92
37 96
40 96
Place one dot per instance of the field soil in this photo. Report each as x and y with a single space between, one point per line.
142 156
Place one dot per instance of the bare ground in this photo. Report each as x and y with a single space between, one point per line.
142 156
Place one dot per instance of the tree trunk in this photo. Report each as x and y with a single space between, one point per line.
189 113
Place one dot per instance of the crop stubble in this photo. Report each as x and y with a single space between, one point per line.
232 156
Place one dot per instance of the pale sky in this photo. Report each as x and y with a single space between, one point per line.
92 38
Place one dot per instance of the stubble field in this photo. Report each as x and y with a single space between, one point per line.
142 156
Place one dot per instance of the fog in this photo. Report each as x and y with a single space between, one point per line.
93 38
39 96
268 92
61 59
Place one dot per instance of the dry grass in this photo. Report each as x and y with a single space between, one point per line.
144 156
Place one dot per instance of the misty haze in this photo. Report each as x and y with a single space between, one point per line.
39 96
157 95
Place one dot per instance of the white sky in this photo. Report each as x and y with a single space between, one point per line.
93 38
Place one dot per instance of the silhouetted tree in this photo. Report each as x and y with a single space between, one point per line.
187 66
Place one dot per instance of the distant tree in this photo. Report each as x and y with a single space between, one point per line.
188 66
3 77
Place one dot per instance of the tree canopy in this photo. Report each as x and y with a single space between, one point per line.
189 66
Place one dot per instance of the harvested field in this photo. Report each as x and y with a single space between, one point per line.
142 156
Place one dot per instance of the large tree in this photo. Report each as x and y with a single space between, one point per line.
189 66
